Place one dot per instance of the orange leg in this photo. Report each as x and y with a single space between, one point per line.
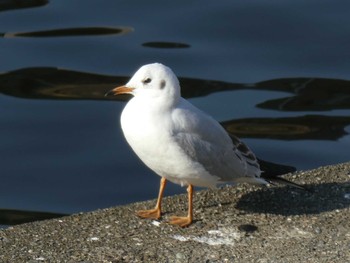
186 220
156 212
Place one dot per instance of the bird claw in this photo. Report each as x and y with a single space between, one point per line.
182 221
151 214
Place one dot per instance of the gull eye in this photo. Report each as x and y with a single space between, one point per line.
147 80
162 84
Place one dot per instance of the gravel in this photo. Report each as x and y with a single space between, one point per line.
232 224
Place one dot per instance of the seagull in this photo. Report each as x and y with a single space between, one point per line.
178 141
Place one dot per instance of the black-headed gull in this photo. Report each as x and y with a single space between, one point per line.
178 141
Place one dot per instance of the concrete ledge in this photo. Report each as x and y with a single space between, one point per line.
233 224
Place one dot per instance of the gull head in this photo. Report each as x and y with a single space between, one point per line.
152 82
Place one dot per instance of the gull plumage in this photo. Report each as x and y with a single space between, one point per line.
178 141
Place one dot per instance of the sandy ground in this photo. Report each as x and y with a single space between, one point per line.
232 224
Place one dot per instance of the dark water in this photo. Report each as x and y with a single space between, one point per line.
275 73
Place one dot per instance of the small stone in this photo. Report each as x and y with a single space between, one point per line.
180 256
155 223
3 239
93 239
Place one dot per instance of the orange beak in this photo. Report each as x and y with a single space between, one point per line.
119 90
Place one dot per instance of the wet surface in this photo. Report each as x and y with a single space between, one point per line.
19 4
275 75
165 45
307 95
71 32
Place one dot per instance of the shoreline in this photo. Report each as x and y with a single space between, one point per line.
232 224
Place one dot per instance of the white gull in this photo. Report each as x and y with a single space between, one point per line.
178 141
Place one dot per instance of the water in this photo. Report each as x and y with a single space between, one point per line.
276 74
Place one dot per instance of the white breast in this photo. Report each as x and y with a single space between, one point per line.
155 145
184 145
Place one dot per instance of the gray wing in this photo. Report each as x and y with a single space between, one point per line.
205 141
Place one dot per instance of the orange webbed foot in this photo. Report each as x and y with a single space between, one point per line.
182 221
151 214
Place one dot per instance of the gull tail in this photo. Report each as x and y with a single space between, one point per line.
271 172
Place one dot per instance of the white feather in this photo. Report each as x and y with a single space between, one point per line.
177 140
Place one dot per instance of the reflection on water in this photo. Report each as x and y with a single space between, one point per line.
315 94
71 32
309 127
310 94
18 4
53 83
165 45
